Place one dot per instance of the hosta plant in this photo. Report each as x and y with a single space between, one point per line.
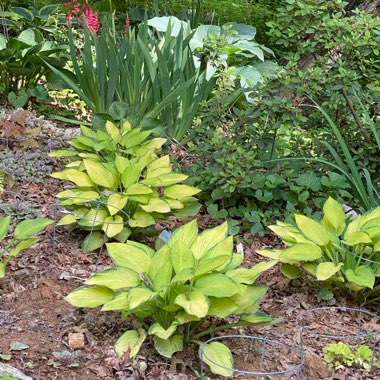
120 183
21 239
338 250
171 292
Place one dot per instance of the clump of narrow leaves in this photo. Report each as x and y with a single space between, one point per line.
22 238
339 251
172 291
120 183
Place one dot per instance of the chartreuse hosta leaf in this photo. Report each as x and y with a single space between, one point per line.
29 227
332 250
218 357
121 171
130 342
4 225
2 270
173 291
334 216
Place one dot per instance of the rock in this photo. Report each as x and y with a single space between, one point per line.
6 369
76 340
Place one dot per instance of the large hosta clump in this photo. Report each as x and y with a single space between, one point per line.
120 183
172 291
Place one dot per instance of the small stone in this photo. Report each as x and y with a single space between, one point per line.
76 340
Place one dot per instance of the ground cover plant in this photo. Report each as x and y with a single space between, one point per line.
183 126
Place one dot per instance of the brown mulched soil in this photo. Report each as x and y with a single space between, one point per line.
33 311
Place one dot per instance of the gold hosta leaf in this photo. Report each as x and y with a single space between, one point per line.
181 257
29 227
90 296
358 237
209 265
93 241
67 219
157 330
129 257
2 270
121 163
180 191
21 246
313 230
99 174
288 233
130 342
163 277
300 252
138 189
63 153
141 218
208 239
75 176
224 247
290 271
362 276
167 347
94 217
187 234
174 204
250 295
77 197
217 285
116 202
249 276
163 161
326 270
158 172
195 303
120 302
137 296
164 180
131 175
113 225
4 225
334 217
182 317
222 307
115 279
113 131
156 205
270 253
218 357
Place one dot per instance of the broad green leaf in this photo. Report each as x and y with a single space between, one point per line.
167 347
159 163
93 241
66 220
163 277
138 189
180 191
115 279
120 302
290 271
249 276
158 172
218 357
2 270
121 163
157 330
77 197
326 270
130 257
95 217
90 296
75 176
4 225
182 317
137 296
185 275
217 285
113 225
131 175
358 237
116 202
224 247
186 234
300 252
258 318
156 205
113 131
21 246
208 239
250 295
274 254
141 219
310 267
334 216
130 342
195 303
221 307
165 180
362 276
313 230
181 257
29 227
63 153
288 233
215 263
99 174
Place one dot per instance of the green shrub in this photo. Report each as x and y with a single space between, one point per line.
174 290
340 252
120 183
